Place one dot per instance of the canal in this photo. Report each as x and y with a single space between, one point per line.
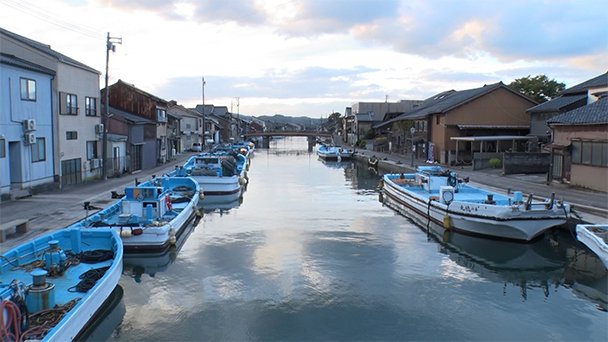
311 254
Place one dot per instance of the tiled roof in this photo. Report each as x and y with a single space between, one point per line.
594 113
47 50
493 126
136 119
20 63
557 103
599 81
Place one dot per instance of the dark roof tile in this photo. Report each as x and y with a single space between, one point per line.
594 113
599 81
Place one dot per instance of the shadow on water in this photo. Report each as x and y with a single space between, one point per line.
106 320
554 260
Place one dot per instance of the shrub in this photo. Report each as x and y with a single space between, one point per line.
362 143
495 162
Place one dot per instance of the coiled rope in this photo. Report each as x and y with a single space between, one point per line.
43 321
95 256
89 279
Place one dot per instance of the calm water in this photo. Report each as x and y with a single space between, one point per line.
312 254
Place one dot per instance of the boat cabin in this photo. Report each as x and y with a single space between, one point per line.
149 203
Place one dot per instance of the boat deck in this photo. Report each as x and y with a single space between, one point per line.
462 193
70 278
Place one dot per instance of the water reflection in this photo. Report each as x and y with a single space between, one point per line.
110 316
553 261
137 264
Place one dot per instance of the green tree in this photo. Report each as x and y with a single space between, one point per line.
333 117
539 87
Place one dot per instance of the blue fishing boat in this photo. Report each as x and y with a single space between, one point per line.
446 199
50 287
151 215
220 175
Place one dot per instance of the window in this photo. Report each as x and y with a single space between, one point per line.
39 150
71 104
71 135
437 120
188 126
28 89
91 106
590 153
91 150
161 115
2 148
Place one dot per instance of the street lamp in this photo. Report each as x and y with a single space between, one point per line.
412 130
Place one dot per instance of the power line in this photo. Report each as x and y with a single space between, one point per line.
34 11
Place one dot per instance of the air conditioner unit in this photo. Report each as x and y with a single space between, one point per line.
30 138
95 163
99 128
29 125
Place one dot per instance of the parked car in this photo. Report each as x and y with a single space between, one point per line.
196 147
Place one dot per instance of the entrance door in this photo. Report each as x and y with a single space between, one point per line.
16 164
71 171
136 161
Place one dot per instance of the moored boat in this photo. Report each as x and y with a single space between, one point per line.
334 153
151 215
219 174
50 287
595 237
444 198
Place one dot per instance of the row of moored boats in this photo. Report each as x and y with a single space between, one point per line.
52 286
443 198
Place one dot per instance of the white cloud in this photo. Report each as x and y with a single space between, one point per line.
297 56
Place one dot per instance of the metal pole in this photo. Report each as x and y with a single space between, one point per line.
412 130
104 148
204 140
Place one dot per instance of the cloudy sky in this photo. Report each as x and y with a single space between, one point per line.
314 57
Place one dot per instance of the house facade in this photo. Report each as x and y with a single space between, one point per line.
75 107
147 143
26 126
579 150
492 110
189 130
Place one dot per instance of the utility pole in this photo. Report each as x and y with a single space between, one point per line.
104 148
238 118
204 139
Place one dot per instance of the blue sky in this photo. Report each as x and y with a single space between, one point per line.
313 57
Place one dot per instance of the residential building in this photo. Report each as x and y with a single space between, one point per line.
189 129
26 127
75 108
575 97
131 142
579 150
148 146
491 110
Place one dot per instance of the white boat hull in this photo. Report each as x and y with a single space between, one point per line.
505 222
594 237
